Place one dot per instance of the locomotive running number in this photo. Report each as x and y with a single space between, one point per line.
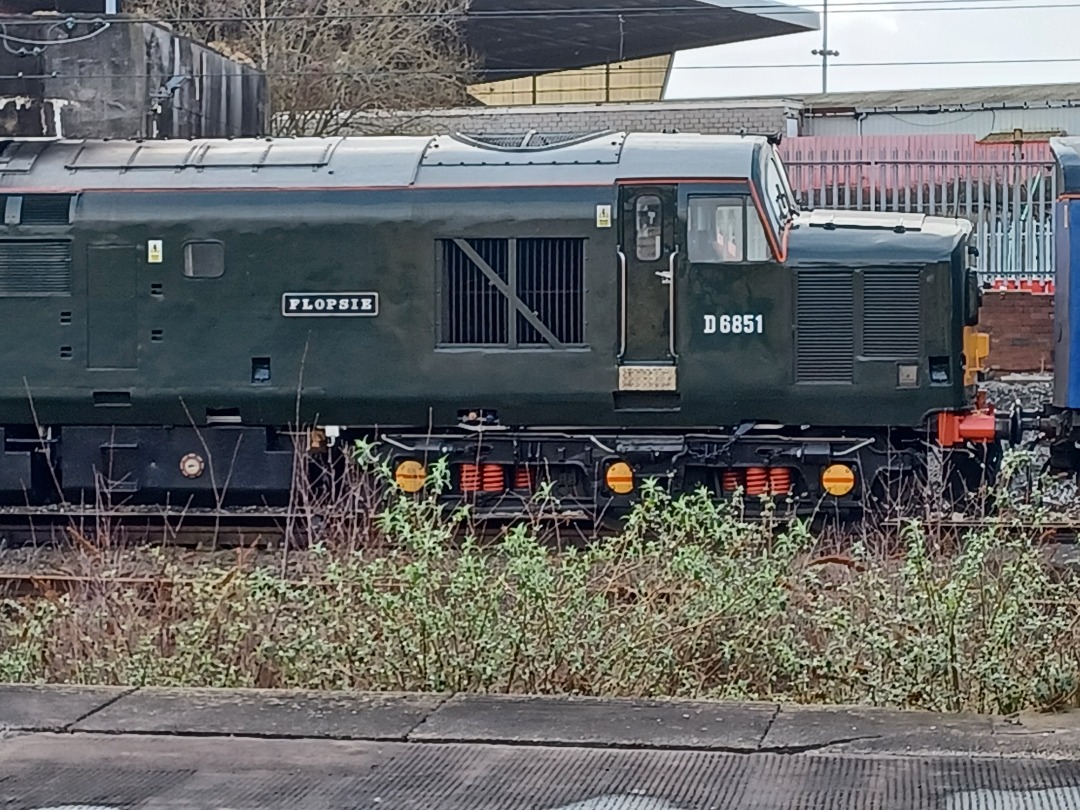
734 324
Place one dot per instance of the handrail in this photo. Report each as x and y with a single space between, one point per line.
622 303
671 305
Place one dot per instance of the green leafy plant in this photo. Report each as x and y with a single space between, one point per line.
688 599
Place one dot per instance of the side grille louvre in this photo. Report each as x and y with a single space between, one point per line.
892 313
46 209
550 282
825 324
476 312
546 274
36 267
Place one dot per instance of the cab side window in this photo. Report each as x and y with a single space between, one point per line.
724 230
649 228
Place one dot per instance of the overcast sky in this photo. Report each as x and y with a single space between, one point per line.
914 31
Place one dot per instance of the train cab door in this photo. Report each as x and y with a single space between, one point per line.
648 264
738 311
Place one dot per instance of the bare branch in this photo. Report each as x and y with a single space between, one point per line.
328 60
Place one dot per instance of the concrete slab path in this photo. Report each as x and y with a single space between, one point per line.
154 748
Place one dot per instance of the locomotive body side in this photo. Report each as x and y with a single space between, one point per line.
574 307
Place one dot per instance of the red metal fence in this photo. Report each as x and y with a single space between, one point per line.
1006 191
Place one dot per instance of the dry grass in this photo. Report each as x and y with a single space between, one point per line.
689 600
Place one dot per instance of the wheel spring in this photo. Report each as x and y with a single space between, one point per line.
523 478
470 478
757 480
731 479
779 480
494 479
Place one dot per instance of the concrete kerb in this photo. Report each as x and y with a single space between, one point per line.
30 707
596 722
578 722
276 714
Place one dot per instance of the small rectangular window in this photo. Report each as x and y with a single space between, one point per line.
650 228
724 230
204 259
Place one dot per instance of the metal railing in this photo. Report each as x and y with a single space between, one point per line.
1008 199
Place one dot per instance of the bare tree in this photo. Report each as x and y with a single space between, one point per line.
332 63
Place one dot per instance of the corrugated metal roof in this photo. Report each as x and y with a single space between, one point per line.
958 98
946 98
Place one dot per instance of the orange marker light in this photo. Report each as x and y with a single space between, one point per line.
619 478
838 479
410 476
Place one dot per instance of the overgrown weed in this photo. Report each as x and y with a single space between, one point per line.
689 600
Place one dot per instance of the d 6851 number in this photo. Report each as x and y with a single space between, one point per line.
748 324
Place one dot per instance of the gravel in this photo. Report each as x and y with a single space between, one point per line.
1030 391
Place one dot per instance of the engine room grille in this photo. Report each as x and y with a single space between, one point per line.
825 324
530 141
476 311
892 313
46 209
35 267
482 278
550 281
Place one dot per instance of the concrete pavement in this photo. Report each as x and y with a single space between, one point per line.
150 748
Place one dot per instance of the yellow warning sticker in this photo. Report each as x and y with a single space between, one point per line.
153 251
603 216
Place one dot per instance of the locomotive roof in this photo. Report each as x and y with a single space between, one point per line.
373 161
1067 154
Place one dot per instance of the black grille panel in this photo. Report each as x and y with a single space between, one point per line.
892 313
534 141
46 209
546 274
35 267
550 279
476 312
825 323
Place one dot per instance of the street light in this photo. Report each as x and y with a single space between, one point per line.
824 51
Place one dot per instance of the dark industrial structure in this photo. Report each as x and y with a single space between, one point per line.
61 6
108 76
516 37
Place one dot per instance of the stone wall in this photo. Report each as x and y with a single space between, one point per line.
1021 329
710 117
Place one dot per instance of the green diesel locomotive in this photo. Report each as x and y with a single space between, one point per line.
589 310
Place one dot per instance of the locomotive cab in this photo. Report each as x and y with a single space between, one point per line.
754 311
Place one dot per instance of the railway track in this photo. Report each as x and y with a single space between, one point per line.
209 529
158 588
240 536
1064 532
201 532
267 527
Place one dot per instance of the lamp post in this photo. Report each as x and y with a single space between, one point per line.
824 51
